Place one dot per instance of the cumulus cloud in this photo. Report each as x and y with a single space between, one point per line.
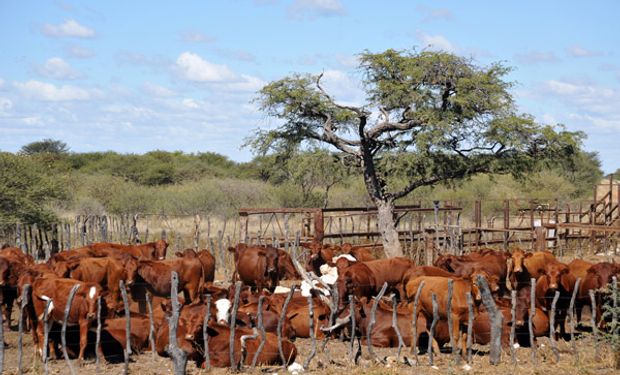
579 51
79 52
312 9
69 28
48 92
57 68
192 67
5 104
157 90
343 87
437 42
432 14
536 57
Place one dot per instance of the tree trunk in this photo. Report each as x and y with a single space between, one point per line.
387 228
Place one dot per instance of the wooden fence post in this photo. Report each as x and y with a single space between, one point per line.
554 344
179 357
431 333
571 314
414 323
594 326
401 342
371 324
352 354
513 316
281 322
233 320
63 333
98 336
261 330
46 333
312 335
205 334
455 351
531 319
470 324
20 326
149 305
127 351
496 321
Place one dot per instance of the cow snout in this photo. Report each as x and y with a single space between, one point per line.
553 286
519 323
161 258
91 315
1 282
314 256
271 269
129 282
518 269
189 337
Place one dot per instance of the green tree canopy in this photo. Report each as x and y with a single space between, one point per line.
48 145
429 118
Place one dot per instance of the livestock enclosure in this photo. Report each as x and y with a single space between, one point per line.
427 229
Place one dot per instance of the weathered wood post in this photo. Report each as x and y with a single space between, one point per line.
46 333
571 314
98 336
496 321
531 318
431 333
513 316
149 305
179 357
414 322
281 323
371 323
455 351
233 320
312 335
63 333
401 342
554 344
352 353
205 334
261 331
470 325
597 356
20 326
127 351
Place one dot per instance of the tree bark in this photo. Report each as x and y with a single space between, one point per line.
387 228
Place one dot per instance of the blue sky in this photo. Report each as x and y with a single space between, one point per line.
135 76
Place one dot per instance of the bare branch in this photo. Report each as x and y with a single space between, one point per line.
392 126
359 111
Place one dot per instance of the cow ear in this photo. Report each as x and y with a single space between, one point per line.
212 332
565 282
541 272
527 255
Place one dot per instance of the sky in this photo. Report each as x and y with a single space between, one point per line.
136 76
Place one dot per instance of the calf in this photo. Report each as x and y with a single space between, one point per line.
555 277
527 265
155 276
257 266
152 250
597 277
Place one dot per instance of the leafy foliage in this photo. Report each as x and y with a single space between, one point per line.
47 145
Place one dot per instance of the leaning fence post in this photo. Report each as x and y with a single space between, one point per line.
127 351
98 336
513 316
281 322
401 342
179 357
470 325
554 344
46 333
455 354
531 319
414 322
233 320
594 327
431 333
20 325
312 336
205 334
496 321
149 305
261 330
571 310
371 324
352 353
63 333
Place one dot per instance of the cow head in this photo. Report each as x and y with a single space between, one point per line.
522 309
518 255
271 267
131 267
492 280
91 293
287 268
445 262
4 271
555 275
192 319
345 287
222 314
160 249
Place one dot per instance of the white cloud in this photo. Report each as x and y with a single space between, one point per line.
70 28
578 51
157 90
437 42
196 37
192 67
245 83
312 9
1 84
343 87
431 14
79 52
57 68
51 93
535 57
5 104
190 103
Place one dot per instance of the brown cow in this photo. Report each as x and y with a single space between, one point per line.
11 268
319 255
155 276
439 286
579 268
362 254
17 253
597 277
114 330
555 277
83 309
257 266
540 323
206 259
286 267
148 251
107 272
493 263
526 266
298 314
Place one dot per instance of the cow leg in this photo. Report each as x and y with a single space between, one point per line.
455 331
84 324
38 334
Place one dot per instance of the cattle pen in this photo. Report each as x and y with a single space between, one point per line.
427 229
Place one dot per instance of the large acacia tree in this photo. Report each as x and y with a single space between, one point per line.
429 118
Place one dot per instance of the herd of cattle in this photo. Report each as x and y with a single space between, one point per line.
332 277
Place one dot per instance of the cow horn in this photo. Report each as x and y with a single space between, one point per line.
339 322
